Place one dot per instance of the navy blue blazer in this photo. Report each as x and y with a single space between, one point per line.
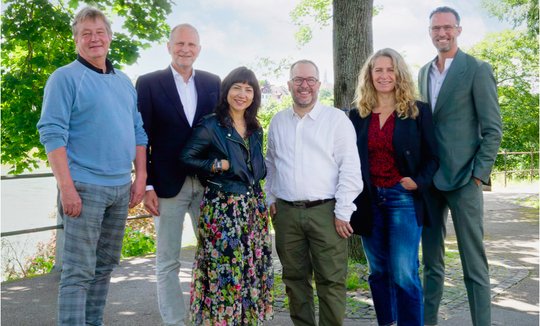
416 157
167 126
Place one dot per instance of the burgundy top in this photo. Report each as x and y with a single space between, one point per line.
382 164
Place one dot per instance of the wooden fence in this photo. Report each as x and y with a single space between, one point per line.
532 171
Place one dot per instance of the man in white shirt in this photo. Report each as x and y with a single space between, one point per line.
313 178
171 102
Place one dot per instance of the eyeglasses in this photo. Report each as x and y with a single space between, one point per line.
446 28
311 81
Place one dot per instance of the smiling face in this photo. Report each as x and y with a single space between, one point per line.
240 97
184 48
304 96
383 75
92 41
444 31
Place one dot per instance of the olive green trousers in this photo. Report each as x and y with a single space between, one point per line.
308 245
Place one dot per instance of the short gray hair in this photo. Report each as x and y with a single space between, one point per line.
181 26
303 61
90 13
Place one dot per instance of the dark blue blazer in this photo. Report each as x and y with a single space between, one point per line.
167 127
415 153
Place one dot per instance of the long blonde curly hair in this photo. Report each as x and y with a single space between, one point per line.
365 98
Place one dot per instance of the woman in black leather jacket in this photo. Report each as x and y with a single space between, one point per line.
232 273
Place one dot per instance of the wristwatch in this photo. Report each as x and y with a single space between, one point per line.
218 167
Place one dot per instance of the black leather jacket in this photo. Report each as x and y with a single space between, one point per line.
211 140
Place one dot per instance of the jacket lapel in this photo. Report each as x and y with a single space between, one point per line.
424 83
362 144
169 87
201 89
399 135
455 73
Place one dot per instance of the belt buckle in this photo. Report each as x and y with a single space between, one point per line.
299 204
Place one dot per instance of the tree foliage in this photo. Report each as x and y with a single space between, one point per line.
37 39
318 12
514 57
516 12
352 38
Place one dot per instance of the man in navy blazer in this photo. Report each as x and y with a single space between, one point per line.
462 93
171 102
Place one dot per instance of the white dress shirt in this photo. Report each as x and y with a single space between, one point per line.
312 158
188 94
436 80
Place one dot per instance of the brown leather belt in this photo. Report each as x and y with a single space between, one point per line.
306 203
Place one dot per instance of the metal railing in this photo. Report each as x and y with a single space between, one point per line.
59 239
59 227
532 171
45 228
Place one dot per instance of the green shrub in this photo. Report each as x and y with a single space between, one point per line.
137 243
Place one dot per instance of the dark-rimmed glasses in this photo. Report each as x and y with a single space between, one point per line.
311 81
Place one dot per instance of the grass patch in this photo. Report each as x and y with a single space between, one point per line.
356 280
41 263
139 240
357 276
529 201
451 254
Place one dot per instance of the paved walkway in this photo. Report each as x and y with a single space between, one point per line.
512 244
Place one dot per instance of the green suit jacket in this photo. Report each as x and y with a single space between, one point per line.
467 120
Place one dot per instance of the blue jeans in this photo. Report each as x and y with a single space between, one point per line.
92 248
392 253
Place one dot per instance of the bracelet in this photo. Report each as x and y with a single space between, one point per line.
217 167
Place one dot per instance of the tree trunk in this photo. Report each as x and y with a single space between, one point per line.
353 44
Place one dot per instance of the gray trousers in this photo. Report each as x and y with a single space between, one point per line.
92 248
466 205
169 227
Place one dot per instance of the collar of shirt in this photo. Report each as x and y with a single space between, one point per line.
447 64
313 158
108 65
436 79
177 75
188 94
313 114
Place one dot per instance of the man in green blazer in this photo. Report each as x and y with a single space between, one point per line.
462 93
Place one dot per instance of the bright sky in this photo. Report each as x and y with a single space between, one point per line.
238 32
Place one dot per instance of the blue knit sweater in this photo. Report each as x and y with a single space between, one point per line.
95 117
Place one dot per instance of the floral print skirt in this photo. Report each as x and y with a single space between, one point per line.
232 273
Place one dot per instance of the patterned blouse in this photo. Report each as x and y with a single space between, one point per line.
382 163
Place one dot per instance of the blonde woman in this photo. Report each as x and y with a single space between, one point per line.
396 146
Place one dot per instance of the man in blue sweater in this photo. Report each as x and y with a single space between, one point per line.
92 132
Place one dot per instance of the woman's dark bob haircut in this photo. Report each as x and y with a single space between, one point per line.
245 76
